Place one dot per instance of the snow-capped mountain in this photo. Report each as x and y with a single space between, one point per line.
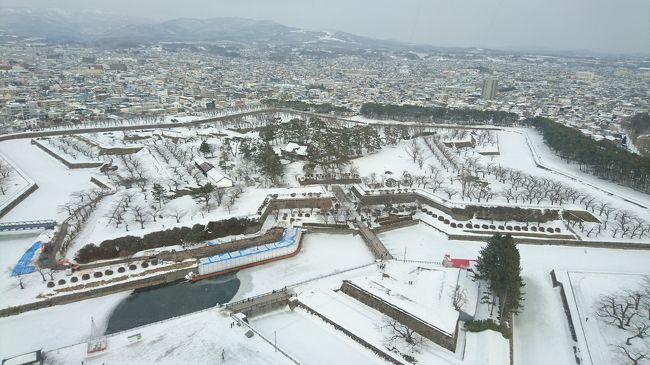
58 25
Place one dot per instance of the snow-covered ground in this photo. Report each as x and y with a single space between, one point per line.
311 340
543 320
541 333
600 337
55 182
18 182
549 158
321 254
200 338
55 327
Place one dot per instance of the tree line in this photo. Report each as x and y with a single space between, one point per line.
128 245
437 114
324 108
601 158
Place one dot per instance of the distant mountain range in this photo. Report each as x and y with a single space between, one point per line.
93 27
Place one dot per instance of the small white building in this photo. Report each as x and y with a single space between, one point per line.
294 150
217 178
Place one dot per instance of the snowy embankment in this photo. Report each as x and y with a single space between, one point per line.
99 228
204 337
55 327
406 283
321 254
19 183
54 180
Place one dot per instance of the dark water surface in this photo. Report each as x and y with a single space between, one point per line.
154 304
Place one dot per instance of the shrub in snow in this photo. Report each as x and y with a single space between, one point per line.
488 324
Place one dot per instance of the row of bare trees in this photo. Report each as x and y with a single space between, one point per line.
6 176
79 209
73 147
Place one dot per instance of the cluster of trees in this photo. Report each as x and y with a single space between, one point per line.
325 108
6 176
73 147
437 114
209 193
328 144
499 264
629 311
176 157
136 173
129 245
259 152
125 207
601 158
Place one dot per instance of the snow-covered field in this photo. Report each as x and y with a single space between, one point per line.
542 320
55 327
601 337
201 338
312 341
321 254
541 333
55 182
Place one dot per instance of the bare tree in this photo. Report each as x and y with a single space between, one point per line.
413 149
634 355
450 192
177 213
458 297
638 329
19 278
139 213
615 309
42 272
400 337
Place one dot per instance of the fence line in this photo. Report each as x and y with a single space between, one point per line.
266 339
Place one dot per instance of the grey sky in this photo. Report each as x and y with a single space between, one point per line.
597 25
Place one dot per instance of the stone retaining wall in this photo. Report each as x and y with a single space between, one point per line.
32 188
426 330
393 226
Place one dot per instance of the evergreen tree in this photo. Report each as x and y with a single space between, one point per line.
205 148
224 159
204 193
159 194
499 264
269 162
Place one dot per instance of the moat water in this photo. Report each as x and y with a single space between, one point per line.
161 302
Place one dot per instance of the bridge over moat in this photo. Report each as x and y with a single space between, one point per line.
27 225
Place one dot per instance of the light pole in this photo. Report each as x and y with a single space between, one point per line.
275 340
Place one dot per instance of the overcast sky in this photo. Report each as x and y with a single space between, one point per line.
612 26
